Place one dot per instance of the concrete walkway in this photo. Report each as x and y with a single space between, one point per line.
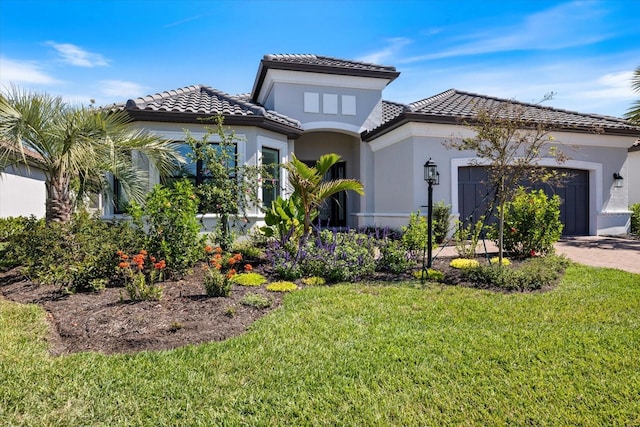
599 251
595 251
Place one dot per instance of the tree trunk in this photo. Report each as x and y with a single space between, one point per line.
59 205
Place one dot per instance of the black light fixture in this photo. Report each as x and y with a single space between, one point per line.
617 180
432 176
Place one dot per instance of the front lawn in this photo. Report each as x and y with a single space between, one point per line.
358 355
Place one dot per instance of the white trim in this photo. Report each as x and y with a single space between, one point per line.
333 127
274 144
595 183
430 130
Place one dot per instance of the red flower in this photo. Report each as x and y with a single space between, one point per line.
513 230
532 253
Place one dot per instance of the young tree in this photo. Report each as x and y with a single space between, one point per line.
307 182
633 115
225 185
78 146
510 145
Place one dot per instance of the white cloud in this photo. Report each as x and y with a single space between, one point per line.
386 54
30 72
122 89
567 25
77 56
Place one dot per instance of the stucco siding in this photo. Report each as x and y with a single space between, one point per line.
632 179
290 100
22 192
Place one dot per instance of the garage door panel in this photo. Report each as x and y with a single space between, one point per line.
573 193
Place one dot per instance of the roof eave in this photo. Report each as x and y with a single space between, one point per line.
408 117
199 118
266 65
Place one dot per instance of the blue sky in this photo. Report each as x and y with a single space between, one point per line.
111 51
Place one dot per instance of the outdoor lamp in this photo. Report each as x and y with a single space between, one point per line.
431 174
617 180
432 177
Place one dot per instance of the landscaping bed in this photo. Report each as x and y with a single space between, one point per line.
109 322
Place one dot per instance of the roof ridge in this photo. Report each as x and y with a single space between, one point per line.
543 107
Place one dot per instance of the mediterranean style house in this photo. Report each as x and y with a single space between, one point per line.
312 105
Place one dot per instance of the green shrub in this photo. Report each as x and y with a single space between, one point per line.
464 263
431 275
282 286
467 237
172 228
217 284
496 260
256 301
314 281
415 234
532 224
76 256
249 279
394 257
248 250
441 221
635 218
532 274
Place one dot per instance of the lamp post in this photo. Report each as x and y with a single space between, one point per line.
432 176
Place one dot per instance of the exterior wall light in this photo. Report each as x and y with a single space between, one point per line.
617 180
432 176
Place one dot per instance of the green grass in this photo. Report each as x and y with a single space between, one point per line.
363 355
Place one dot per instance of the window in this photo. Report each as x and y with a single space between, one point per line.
270 185
195 170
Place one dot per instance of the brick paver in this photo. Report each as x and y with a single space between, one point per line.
599 251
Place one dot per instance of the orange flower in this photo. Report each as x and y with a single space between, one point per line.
153 259
160 265
208 249
143 252
120 252
124 256
123 264
231 261
218 250
217 256
248 267
218 266
237 257
231 273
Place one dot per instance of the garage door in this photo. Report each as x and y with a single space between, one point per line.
473 197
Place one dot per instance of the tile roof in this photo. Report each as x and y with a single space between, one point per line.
320 64
189 103
10 151
452 106
326 61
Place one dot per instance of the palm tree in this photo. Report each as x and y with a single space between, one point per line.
633 115
308 183
77 147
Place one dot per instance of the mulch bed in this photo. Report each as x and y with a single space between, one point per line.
108 322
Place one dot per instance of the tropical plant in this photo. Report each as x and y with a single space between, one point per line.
309 184
285 219
633 115
78 149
